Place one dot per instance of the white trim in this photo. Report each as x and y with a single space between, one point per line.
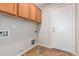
45 46
74 34
27 50
52 25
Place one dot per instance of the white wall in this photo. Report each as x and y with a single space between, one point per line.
45 30
20 35
77 28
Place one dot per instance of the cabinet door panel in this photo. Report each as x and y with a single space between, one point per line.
39 16
9 8
23 10
32 12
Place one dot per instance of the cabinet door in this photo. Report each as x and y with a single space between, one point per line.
39 16
32 12
23 10
10 8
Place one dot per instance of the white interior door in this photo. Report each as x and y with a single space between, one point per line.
64 28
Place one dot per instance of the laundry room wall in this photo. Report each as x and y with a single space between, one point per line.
20 35
45 29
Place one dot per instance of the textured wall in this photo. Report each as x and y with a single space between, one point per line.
20 34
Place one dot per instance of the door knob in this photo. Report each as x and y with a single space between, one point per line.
53 29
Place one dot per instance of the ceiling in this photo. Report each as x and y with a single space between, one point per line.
40 4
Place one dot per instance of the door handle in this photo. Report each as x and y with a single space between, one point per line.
53 29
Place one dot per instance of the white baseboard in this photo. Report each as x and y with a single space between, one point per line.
27 50
45 46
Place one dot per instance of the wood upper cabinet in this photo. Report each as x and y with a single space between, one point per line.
33 12
29 11
23 10
10 8
39 16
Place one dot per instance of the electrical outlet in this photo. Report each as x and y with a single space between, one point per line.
33 42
